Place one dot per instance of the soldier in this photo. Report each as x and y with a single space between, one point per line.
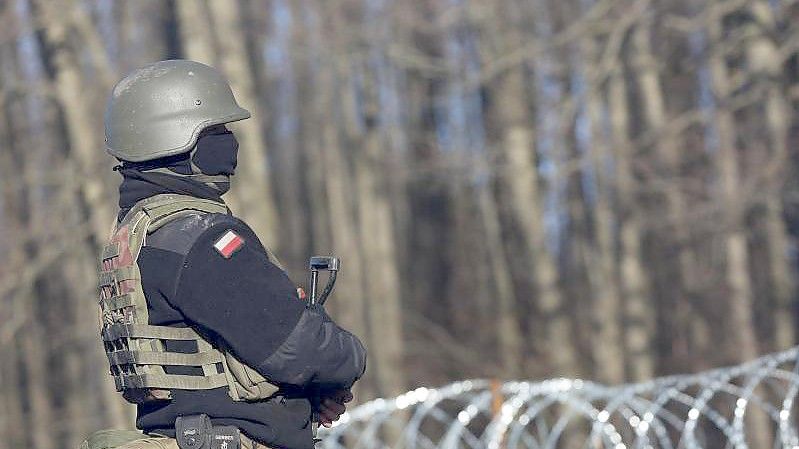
197 317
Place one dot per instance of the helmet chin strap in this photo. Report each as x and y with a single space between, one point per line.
209 179
212 181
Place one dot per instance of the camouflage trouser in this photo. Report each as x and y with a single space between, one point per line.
171 443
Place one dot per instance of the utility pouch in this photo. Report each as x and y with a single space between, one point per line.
197 432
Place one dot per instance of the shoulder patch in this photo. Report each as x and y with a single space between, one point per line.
228 244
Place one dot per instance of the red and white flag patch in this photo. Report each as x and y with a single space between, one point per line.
228 244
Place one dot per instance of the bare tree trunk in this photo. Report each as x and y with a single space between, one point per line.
744 343
289 104
381 275
519 178
81 130
510 342
251 188
738 281
574 260
91 38
195 31
16 298
781 277
12 418
34 356
312 119
669 154
608 344
763 58
508 332
78 397
142 39
12 423
83 144
638 313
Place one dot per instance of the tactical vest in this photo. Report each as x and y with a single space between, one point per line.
136 350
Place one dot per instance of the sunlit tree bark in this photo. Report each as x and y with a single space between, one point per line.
195 31
380 265
638 312
744 343
682 318
34 356
764 62
737 275
374 220
508 333
519 178
608 345
13 419
82 135
251 188
83 146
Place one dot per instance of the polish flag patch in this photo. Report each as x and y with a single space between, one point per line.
228 244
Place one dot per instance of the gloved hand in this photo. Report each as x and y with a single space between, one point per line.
331 406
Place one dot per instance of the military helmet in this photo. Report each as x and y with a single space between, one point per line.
159 110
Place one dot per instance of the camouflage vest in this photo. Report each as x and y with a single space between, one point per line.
136 350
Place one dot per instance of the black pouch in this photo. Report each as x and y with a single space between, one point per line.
197 432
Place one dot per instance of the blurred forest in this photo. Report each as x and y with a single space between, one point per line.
604 189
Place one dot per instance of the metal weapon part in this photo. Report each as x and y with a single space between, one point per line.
322 263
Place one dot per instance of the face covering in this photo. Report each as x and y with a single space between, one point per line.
203 172
216 154
212 161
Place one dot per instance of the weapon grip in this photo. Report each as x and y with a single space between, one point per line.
319 263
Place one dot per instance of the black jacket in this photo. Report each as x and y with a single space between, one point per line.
249 306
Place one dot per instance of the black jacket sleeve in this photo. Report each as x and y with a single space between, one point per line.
248 305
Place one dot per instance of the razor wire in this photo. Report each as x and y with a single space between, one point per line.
749 406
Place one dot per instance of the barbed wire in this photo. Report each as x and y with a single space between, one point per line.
746 406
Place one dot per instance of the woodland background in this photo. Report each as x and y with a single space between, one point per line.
603 189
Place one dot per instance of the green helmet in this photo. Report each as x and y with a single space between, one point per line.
159 110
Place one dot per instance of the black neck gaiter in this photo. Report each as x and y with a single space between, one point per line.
214 155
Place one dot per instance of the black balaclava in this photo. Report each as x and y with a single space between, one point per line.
204 171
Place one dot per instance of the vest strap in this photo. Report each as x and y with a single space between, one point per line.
209 178
117 331
160 214
111 277
118 302
110 251
161 207
170 381
117 358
